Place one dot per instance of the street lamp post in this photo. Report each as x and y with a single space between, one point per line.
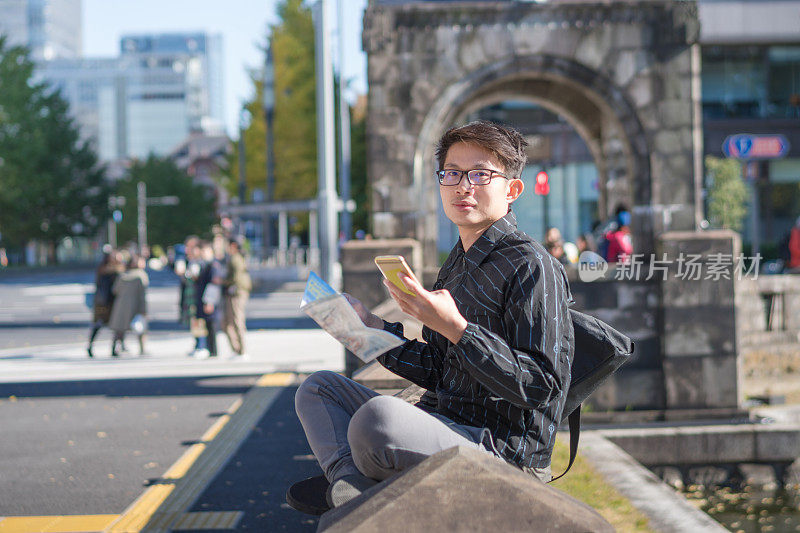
269 118
269 121
326 147
142 201
242 159
114 202
344 131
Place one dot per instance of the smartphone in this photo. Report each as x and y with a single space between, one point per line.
391 266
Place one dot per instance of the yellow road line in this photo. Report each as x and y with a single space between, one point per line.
279 379
56 524
152 508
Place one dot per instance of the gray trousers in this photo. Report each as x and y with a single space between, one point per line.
354 430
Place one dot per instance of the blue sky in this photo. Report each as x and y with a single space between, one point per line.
242 24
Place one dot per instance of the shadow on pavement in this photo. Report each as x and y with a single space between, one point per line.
254 481
137 387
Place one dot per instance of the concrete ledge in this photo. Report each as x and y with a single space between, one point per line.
462 489
376 376
704 445
667 510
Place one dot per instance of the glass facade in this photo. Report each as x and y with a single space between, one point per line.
750 88
50 28
751 82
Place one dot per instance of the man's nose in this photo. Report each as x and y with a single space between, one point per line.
464 185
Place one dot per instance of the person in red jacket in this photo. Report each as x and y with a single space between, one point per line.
620 245
794 247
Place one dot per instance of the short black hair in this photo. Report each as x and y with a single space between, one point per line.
504 142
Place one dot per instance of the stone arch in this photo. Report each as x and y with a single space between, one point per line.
598 110
625 74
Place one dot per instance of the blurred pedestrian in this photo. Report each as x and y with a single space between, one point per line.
186 269
794 248
130 302
237 286
208 300
620 244
586 243
106 274
554 244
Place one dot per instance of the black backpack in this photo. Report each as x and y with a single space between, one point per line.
599 352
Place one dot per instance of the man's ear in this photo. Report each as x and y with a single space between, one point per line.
515 188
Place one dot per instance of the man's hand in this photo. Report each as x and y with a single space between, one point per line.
208 309
370 320
436 309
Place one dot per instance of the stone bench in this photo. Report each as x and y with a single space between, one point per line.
460 489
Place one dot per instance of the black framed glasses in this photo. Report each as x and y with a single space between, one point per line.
476 176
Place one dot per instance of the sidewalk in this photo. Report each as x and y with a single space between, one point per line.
170 453
289 350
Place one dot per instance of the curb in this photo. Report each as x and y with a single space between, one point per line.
667 510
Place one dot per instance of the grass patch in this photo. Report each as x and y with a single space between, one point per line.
585 484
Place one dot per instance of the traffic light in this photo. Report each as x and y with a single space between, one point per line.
542 183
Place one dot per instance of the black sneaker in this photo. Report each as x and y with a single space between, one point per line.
346 488
309 496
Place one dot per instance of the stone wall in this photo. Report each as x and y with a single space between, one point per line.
699 334
631 307
769 325
360 276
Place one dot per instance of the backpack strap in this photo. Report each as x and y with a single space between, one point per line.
574 422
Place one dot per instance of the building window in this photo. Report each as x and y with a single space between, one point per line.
87 91
751 82
784 81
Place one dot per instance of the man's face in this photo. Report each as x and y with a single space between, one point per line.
476 207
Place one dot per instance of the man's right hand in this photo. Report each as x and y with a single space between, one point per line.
370 320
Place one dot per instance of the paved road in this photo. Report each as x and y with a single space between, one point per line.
141 441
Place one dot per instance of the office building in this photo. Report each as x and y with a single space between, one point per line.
148 100
751 84
49 28
174 87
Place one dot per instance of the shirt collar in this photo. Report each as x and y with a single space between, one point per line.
489 239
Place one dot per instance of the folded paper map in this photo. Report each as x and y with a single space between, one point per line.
335 315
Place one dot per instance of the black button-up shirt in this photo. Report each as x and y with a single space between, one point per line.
510 372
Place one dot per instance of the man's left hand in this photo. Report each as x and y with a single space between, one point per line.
435 309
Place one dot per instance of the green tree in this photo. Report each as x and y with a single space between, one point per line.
295 123
51 185
295 149
166 225
727 193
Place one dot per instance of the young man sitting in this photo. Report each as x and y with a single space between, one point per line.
498 339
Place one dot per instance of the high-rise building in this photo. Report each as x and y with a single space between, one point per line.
149 99
174 87
95 90
50 28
